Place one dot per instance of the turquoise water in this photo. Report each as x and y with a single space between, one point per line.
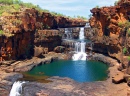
81 71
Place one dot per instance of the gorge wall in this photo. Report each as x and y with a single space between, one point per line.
109 34
21 31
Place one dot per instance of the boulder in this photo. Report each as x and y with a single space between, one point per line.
118 78
59 49
38 51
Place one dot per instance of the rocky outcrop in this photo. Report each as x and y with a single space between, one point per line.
19 46
20 31
56 85
27 65
118 78
69 33
109 36
59 49
47 39
65 86
6 80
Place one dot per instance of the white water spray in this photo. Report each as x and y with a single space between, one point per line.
80 47
68 32
81 34
16 88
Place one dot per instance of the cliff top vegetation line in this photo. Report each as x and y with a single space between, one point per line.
16 5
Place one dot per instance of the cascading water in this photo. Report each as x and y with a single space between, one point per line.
81 34
16 88
68 32
80 47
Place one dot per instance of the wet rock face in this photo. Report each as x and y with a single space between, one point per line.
75 33
71 32
108 36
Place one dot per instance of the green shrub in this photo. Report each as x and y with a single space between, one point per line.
11 2
116 2
124 50
125 24
16 6
97 6
82 17
6 14
9 8
17 22
57 14
128 31
47 27
1 32
6 1
129 58
45 10
120 24
29 5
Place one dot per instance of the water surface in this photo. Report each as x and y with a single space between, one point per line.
81 71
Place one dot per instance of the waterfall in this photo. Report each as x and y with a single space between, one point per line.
16 89
77 44
80 47
68 32
81 34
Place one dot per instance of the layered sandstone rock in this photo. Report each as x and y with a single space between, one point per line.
109 37
20 30
17 46
47 39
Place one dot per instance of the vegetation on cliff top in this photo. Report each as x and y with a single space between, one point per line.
10 16
10 6
116 2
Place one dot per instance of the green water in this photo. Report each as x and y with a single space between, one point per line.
81 71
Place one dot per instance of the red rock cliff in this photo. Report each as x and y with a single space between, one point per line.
109 37
18 32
